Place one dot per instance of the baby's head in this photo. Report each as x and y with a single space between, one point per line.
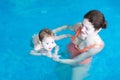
47 39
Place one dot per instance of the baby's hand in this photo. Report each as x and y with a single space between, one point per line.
56 48
48 55
33 52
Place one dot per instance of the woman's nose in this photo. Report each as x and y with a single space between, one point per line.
83 29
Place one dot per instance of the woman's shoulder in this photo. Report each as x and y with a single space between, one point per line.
97 46
98 40
99 43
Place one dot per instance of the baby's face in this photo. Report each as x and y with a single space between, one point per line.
48 43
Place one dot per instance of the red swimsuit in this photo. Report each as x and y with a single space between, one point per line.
75 51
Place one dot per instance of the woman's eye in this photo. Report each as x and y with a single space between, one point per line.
82 25
52 42
86 28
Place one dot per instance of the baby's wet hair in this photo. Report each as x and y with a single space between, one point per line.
45 33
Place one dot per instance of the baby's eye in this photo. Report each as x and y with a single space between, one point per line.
52 42
47 43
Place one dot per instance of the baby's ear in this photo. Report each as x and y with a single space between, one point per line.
54 36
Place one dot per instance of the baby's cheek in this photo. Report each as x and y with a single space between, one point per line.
45 46
54 45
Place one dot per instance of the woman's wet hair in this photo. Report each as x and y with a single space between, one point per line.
96 18
45 33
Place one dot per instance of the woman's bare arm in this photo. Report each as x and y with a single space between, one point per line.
81 57
62 36
60 28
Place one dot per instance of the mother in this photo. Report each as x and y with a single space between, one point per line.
85 43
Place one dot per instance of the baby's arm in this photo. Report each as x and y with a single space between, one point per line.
35 39
36 42
33 52
37 45
37 50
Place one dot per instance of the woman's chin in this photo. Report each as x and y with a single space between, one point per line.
83 37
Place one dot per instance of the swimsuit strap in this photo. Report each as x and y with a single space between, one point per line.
77 33
89 47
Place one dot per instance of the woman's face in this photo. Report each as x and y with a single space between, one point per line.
48 43
87 29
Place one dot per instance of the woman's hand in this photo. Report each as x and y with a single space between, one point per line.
56 57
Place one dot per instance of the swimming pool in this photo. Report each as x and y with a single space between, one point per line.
20 19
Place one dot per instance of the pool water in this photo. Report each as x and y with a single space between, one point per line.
20 19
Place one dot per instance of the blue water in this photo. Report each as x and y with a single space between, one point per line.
20 19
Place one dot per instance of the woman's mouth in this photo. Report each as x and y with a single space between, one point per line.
82 32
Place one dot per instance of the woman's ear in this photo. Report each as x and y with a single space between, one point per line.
98 30
39 42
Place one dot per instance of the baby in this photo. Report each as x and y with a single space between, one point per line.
44 43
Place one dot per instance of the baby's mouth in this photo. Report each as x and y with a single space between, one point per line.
50 48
